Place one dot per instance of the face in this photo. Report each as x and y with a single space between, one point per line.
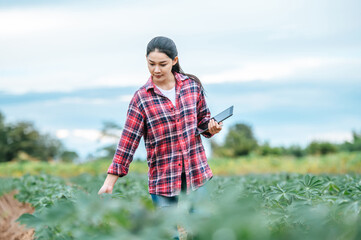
160 65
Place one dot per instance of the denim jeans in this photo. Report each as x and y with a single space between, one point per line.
162 202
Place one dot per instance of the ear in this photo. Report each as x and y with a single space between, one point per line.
175 60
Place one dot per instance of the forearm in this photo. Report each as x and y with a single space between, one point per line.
110 180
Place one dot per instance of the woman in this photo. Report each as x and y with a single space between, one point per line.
168 111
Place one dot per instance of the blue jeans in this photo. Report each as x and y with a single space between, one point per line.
162 201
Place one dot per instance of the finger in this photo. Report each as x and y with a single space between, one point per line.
211 124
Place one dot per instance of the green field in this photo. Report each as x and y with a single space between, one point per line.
267 206
249 198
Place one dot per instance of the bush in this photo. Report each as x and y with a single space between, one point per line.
68 156
321 148
296 151
266 150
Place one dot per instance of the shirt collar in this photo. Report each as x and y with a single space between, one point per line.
178 77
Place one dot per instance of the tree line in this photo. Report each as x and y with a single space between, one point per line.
240 141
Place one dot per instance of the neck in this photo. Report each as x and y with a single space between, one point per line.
166 84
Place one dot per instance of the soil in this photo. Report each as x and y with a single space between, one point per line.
10 210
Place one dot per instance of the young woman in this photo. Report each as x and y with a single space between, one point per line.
168 111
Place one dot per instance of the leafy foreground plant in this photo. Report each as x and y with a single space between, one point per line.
278 206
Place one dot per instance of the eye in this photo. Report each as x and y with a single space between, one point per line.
163 65
151 64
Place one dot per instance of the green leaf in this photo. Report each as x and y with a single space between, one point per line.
29 220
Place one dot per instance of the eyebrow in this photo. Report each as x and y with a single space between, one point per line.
159 62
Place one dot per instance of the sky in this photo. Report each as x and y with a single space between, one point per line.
292 69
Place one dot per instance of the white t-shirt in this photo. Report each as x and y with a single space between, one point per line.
170 94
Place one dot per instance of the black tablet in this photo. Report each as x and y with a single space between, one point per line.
220 117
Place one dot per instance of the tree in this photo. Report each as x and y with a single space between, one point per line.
296 151
4 151
265 149
239 141
322 148
355 145
23 137
68 156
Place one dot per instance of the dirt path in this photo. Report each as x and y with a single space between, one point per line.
10 210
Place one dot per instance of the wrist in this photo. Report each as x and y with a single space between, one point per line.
110 180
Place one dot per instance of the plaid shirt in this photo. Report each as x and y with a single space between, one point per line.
169 134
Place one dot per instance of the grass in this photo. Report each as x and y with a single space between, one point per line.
336 163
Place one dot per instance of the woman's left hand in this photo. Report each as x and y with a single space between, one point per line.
214 127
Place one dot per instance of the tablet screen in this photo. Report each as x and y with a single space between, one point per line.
220 117
224 115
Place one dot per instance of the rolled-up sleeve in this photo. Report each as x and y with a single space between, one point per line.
129 140
203 114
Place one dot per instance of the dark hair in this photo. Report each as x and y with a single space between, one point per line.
167 46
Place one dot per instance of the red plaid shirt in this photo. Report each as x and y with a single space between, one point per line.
169 134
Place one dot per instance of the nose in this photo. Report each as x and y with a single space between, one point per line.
157 69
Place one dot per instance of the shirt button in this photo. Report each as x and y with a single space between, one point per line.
179 164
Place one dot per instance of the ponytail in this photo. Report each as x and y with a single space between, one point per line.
177 68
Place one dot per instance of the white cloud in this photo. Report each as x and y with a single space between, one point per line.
62 133
88 134
198 17
299 134
65 82
271 70
77 46
29 22
265 70
92 101
85 135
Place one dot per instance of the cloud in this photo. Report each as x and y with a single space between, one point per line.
271 70
84 135
67 81
71 46
198 17
62 133
301 134
33 21
90 101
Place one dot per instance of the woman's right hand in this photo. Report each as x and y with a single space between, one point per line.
105 189
108 184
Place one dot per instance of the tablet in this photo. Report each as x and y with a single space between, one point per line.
220 117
